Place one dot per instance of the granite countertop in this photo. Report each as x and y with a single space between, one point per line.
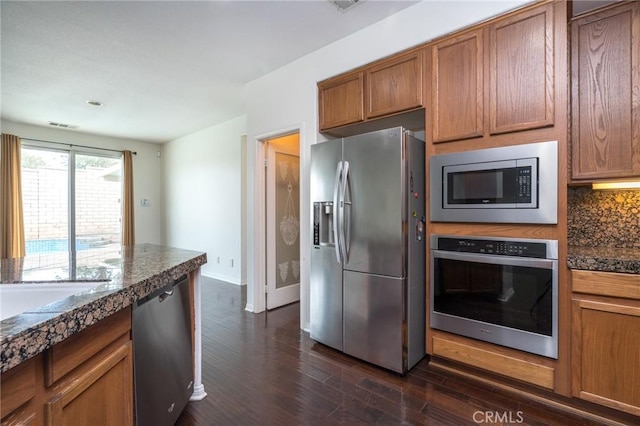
604 259
123 275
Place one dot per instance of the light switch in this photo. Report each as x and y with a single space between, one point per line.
145 202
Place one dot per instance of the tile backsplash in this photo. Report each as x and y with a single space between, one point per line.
603 218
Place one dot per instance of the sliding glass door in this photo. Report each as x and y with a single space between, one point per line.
45 200
98 191
70 196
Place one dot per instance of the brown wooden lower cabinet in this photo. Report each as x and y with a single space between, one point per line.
475 354
606 339
22 417
84 380
101 395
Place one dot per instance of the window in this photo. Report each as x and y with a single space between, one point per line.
70 196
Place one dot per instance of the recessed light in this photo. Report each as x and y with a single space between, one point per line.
95 103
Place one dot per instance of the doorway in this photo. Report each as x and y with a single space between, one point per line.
282 211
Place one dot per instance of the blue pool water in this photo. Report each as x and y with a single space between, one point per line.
50 246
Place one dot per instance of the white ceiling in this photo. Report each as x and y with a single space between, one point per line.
163 69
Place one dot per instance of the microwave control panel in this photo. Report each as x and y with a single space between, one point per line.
524 184
494 247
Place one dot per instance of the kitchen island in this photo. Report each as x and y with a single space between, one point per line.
109 281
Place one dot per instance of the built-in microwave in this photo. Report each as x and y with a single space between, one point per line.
513 184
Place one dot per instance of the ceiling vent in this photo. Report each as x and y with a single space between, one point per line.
63 125
345 5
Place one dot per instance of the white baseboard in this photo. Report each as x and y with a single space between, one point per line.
249 307
225 278
306 327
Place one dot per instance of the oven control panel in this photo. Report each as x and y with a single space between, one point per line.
494 247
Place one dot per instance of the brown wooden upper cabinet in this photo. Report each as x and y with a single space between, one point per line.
386 87
497 78
457 87
605 107
394 85
521 71
341 100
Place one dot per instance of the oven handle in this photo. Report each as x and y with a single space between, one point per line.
496 260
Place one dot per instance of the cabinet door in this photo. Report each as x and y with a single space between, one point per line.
101 394
521 79
606 344
457 87
19 386
605 62
394 85
341 100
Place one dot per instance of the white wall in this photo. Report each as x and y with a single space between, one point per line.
202 186
286 99
147 170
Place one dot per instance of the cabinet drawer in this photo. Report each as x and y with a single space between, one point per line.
606 284
70 353
505 365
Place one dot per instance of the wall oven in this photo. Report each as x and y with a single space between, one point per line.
499 290
513 184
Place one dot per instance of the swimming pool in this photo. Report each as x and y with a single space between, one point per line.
53 245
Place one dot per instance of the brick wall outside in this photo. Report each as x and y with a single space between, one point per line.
45 198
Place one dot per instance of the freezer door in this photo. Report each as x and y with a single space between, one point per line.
375 208
325 283
374 319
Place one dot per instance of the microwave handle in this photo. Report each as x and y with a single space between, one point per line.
496 260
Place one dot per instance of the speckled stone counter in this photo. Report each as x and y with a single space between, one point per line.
123 275
604 259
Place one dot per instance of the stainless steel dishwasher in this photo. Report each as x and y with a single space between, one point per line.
163 366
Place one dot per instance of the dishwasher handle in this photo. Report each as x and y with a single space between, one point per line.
165 294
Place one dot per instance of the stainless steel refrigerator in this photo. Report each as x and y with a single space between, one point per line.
367 287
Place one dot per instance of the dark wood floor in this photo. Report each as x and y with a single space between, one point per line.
261 369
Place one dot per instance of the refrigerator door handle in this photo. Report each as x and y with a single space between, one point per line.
345 205
336 197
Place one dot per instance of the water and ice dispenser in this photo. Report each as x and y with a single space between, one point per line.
323 223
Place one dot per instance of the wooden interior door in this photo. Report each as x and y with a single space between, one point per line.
283 220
